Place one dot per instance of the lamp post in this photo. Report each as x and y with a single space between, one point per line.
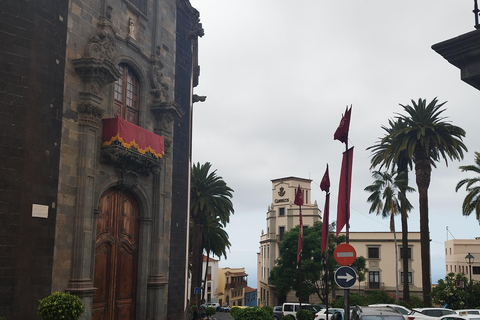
469 259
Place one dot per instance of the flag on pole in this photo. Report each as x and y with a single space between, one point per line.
341 134
325 186
299 202
343 207
299 197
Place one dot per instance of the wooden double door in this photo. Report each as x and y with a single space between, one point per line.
116 249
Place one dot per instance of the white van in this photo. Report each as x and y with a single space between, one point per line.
291 308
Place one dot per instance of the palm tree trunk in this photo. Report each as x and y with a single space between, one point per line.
403 169
406 285
423 171
205 277
392 224
197 256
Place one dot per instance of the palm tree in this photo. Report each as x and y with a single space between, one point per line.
472 200
426 137
215 240
384 199
384 156
209 195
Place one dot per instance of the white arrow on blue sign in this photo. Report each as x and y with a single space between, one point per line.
345 277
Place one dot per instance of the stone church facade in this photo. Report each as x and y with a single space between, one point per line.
96 101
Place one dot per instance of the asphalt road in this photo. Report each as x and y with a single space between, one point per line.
222 316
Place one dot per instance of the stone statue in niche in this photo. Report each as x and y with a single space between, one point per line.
159 87
131 28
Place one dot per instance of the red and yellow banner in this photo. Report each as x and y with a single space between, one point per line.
130 135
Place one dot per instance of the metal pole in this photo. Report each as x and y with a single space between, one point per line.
476 11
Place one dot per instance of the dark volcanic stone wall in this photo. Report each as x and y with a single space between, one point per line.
32 61
186 20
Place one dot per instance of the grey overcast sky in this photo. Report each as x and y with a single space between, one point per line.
278 75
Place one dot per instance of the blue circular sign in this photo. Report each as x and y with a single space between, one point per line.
345 277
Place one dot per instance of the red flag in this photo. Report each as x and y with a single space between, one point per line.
325 186
299 197
343 209
300 238
299 202
341 133
325 228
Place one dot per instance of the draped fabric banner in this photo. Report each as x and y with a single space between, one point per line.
130 135
325 186
343 207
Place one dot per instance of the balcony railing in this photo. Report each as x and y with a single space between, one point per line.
236 285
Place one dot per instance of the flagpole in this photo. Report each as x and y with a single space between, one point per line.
347 223
327 204
299 201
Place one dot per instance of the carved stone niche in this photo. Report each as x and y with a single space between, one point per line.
98 66
130 160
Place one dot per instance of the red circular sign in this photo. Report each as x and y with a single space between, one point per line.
345 254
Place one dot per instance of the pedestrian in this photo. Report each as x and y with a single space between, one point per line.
203 310
194 311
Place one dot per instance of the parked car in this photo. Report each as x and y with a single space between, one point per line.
225 308
291 308
465 316
376 313
338 314
463 312
277 313
429 313
321 315
404 311
213 305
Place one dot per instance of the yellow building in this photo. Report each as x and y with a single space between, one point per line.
456 251
231 286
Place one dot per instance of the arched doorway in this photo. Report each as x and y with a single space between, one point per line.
116 257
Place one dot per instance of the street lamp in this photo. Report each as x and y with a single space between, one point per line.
469 259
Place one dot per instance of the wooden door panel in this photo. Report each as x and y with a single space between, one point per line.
116 257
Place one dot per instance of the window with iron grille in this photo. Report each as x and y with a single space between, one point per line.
373 252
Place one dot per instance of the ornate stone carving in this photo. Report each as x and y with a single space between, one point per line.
198 31
166 113
90 111
129 160
98 64
101 46
159 87
197 98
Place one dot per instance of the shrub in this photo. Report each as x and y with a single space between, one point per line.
268 308
379 296
3 318
305 314
61 306
288 317
355 300
251 313
211 311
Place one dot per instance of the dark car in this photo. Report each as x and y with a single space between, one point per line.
375 313
277 313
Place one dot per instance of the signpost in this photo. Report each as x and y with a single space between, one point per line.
345 277
345 254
